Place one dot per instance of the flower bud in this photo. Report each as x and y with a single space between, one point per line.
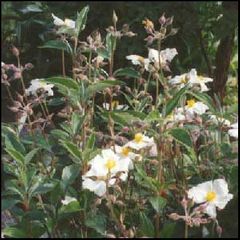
174 216
115 18
219 231
15 51
28 66
162 19
169 21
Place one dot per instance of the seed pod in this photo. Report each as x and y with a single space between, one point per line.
15 51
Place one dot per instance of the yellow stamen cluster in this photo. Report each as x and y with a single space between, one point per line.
138 137
141 59
110 164
115 103
200 78
148 24
125 151
191 103
184 79
211 196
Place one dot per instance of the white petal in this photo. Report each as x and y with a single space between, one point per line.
168 54
57 21
68 200
233 133
98 187
198 193
69 23
211 210
134 59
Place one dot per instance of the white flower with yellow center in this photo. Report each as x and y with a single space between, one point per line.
104 167
192 78
139 60
126 154
140 141
214 193
199 80
67 22
233 132
176 116
215 119
37 84
193 107
115 106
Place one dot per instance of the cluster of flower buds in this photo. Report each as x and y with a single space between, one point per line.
9 73
119 33
162 33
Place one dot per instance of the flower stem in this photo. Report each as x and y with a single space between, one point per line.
63 64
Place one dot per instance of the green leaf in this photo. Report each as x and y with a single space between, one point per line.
70 173
81 20
70 208
56 101
110 43
60 134
14 232
102 52
182 136
8 203
173 102
146 227
16 156
72 148
57 44
153 116
63 81
91 141
97 222
30 155
158 203
31 8
42 188
167 230
12 140
127 72
96 87
76 122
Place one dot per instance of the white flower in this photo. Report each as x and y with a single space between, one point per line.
233 132
67 22
165 55
126 154
192 78
177 115
195 107
2 64
200 80
104 167
139 60
214 193
115 106
215 119
140 141
39 84
68 200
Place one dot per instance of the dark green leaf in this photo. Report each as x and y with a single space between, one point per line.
63 81
70 173
76 122
96 87
158 203
30 155
72 148
60 134
57 44
146 227
127 72
167 230
182 136
14 232
97 222
16 155
8 203
81 19
91 141
172 103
